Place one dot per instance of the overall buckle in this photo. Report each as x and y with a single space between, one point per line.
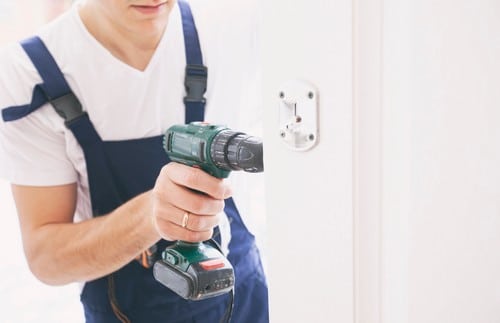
195 83
68 107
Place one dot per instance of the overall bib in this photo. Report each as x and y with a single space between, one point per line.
121 170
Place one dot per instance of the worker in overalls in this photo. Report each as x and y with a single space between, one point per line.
84 106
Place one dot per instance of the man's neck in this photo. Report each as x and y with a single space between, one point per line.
134 49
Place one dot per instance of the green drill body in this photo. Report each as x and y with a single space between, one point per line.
197 271
190 144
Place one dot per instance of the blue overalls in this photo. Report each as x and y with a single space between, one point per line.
121 170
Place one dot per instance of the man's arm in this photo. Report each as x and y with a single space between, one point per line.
59 251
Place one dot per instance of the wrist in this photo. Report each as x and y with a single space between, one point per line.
148 217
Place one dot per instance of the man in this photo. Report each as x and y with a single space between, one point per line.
84 106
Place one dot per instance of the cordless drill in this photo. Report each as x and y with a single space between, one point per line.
198 271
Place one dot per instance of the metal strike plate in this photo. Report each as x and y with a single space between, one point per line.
298 120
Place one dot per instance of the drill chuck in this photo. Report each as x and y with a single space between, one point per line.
233 150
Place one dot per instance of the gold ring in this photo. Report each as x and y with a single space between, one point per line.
185 219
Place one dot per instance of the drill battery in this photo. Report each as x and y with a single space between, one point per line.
194 274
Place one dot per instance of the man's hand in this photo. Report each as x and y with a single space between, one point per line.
187 203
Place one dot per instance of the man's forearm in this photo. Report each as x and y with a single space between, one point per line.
70 252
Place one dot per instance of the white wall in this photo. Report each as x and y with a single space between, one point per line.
309 194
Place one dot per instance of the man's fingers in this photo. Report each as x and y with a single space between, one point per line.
187 199
198 180
176 232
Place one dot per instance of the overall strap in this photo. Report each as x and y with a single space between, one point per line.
195 80
53 89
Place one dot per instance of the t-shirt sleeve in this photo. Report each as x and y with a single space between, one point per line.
32 149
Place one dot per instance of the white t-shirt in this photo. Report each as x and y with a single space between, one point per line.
123 102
